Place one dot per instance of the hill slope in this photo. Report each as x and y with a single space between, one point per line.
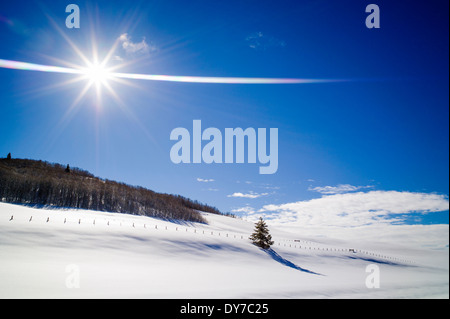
84 254
36 182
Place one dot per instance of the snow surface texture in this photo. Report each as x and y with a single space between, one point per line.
67 253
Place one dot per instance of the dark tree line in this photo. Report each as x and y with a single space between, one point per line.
36 182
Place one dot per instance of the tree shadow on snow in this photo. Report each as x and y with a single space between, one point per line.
275 256
380 261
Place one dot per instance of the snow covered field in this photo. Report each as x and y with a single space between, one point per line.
57 253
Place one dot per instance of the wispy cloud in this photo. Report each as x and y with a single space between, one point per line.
271 187
202 180
245 210
248 195
339 189
262 41
117 58
16 26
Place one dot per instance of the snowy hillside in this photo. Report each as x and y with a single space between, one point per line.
50 253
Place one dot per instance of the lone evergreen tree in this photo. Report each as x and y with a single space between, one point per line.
8 157
67 169
261 236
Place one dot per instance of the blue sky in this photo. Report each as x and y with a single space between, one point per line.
383 132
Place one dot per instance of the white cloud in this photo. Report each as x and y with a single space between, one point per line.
339 189
117 58
261 41
271 187
134 49
248 195
356 209
370 219
246 210
204 180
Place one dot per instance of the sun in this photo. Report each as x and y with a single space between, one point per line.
97 74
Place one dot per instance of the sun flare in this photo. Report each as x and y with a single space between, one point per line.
97 73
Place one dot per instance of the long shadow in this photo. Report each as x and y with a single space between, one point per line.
380 261
275 256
